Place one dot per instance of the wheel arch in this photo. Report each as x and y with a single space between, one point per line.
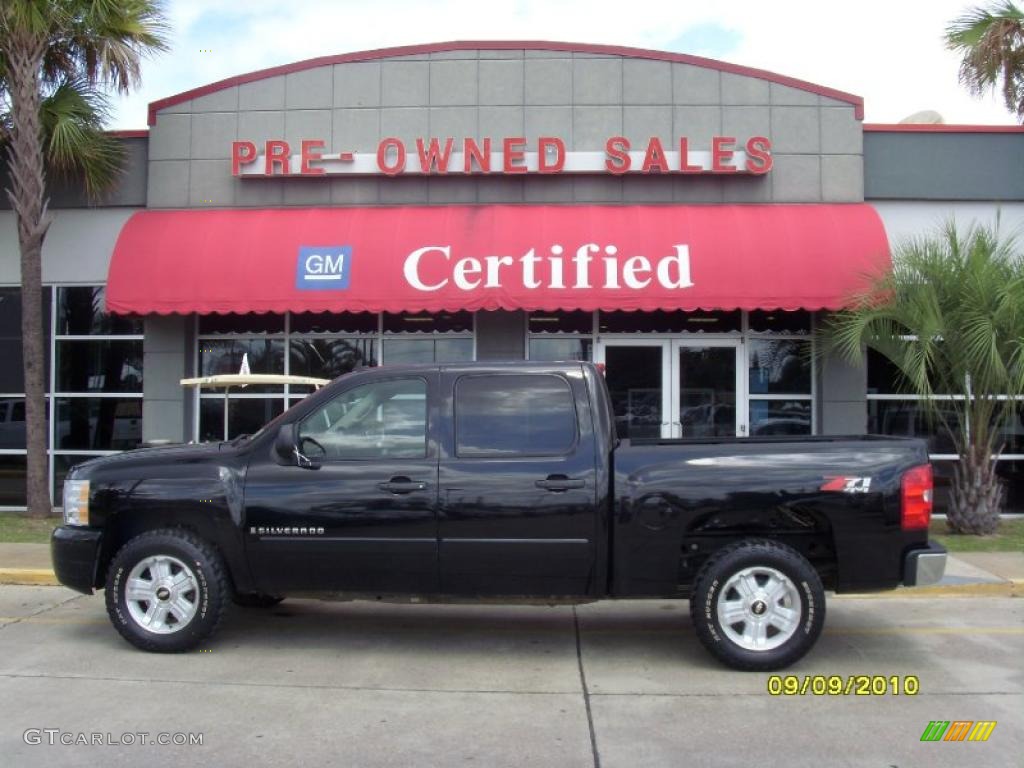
128 523
807 531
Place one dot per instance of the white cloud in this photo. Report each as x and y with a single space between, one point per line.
891 53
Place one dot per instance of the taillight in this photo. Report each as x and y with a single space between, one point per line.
916 509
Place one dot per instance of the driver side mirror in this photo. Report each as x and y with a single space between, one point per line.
286 448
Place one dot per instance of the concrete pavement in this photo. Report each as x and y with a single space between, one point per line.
610 684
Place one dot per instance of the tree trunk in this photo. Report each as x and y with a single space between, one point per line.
977 497
25 161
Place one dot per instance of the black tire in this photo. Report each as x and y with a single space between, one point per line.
188 559
714 588
253 600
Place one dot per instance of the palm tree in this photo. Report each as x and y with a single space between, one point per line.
950 317
55 57
991 41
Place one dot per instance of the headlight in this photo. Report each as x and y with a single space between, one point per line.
76 502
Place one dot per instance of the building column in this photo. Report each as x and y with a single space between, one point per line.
165 361
500 335
842 392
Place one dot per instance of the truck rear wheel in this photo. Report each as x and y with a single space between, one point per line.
166 590
757 605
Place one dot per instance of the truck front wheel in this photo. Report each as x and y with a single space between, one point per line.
757 605
166 590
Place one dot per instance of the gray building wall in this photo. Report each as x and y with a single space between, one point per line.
923 165
130 189
581 97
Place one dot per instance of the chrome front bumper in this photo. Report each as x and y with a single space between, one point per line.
924 566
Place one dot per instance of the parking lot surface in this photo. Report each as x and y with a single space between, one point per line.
610 684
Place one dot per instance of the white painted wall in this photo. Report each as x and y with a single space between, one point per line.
903 219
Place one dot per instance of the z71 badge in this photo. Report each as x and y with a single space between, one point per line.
847 484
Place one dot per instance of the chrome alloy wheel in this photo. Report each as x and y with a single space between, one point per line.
759 608
162 594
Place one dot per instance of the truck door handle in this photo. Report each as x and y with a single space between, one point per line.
402 485
558 483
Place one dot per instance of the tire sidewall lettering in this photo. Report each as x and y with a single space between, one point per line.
710 614
811 612
120 602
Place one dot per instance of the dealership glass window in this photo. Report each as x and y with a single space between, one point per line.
406 350
318 344
98 423
426 322
422 337
893 411
561 335
780 380
99 365
81 311
12 371
216 325
699 321
779 321
12 480
334 322
328 358
245 416
93 391
264 354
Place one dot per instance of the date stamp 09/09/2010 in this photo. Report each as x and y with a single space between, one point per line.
843 685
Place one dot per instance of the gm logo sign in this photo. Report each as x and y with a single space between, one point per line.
323 268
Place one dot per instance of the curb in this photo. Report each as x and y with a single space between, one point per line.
1012 588
39 577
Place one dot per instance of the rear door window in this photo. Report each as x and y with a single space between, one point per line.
514 415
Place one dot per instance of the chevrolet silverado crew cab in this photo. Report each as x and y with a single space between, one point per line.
497 481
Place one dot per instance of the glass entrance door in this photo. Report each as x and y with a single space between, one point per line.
637 372
707 393
666 388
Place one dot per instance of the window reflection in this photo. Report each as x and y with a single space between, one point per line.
406 350
779 366
566 348
908 418
385 419
99 366
780 417
514 414
98 423
81 310
329 358
217 356
245 417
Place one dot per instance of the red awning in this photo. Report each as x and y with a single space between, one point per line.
495 257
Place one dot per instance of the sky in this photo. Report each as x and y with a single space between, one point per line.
891 53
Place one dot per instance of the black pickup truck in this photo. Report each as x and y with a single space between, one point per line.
497 481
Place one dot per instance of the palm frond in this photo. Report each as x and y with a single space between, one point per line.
990 41
76 145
